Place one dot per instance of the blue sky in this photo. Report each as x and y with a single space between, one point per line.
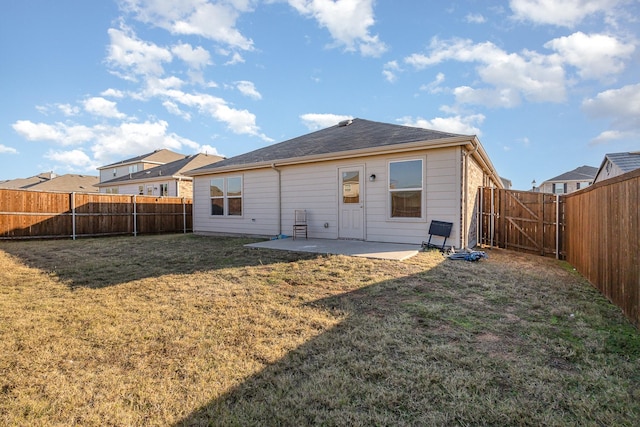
546 85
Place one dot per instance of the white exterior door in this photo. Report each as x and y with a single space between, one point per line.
351 203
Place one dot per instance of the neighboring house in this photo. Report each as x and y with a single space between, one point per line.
163 180
506 183
615 164
569 182
49 181
359 180
137 164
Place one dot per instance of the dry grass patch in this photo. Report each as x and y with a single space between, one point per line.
189 330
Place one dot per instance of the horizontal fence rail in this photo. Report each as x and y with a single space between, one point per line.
36 214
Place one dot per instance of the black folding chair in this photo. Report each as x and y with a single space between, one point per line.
441 229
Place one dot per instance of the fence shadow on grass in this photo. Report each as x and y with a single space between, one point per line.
435 348
108 261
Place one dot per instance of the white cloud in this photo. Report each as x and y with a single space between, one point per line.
248 89
566 13
159 87
59 132
127 139
135 56
7 150
173 108
622 107
68 109
595 56
214 21
612 136
434 86
72 159
623 103
465 125
103 107
236 58
315 121
238 121
504 97
475 18
347 21
390 71
112 93
107 143
208 149
535 77
196 58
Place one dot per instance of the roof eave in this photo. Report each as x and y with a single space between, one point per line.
341 155
480 154
114 165
143 180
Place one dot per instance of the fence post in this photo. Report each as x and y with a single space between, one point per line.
135 216
557 226
480 212
184 216
541 223
73 215
492 221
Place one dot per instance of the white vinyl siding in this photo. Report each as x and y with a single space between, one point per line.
314 187
154 187
259 205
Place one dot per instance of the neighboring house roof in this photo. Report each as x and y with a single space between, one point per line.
625 161
158 156
583 173
173 169
24 183
349 135
52 182
506 183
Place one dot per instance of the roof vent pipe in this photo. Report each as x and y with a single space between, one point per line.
345 123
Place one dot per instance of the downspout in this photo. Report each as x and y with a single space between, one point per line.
273 166
465 191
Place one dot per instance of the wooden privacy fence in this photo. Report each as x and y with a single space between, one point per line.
522 221
602 235
35 214
597 230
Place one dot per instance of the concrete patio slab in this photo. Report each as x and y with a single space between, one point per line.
393 251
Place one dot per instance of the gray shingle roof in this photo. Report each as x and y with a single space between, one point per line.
169 169
158 156
625 161
583 173
51 182
350 135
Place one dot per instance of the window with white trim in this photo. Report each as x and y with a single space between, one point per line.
405 188
583 184
164 189
559 187
226 196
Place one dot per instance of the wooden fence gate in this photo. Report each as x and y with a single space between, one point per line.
522 220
